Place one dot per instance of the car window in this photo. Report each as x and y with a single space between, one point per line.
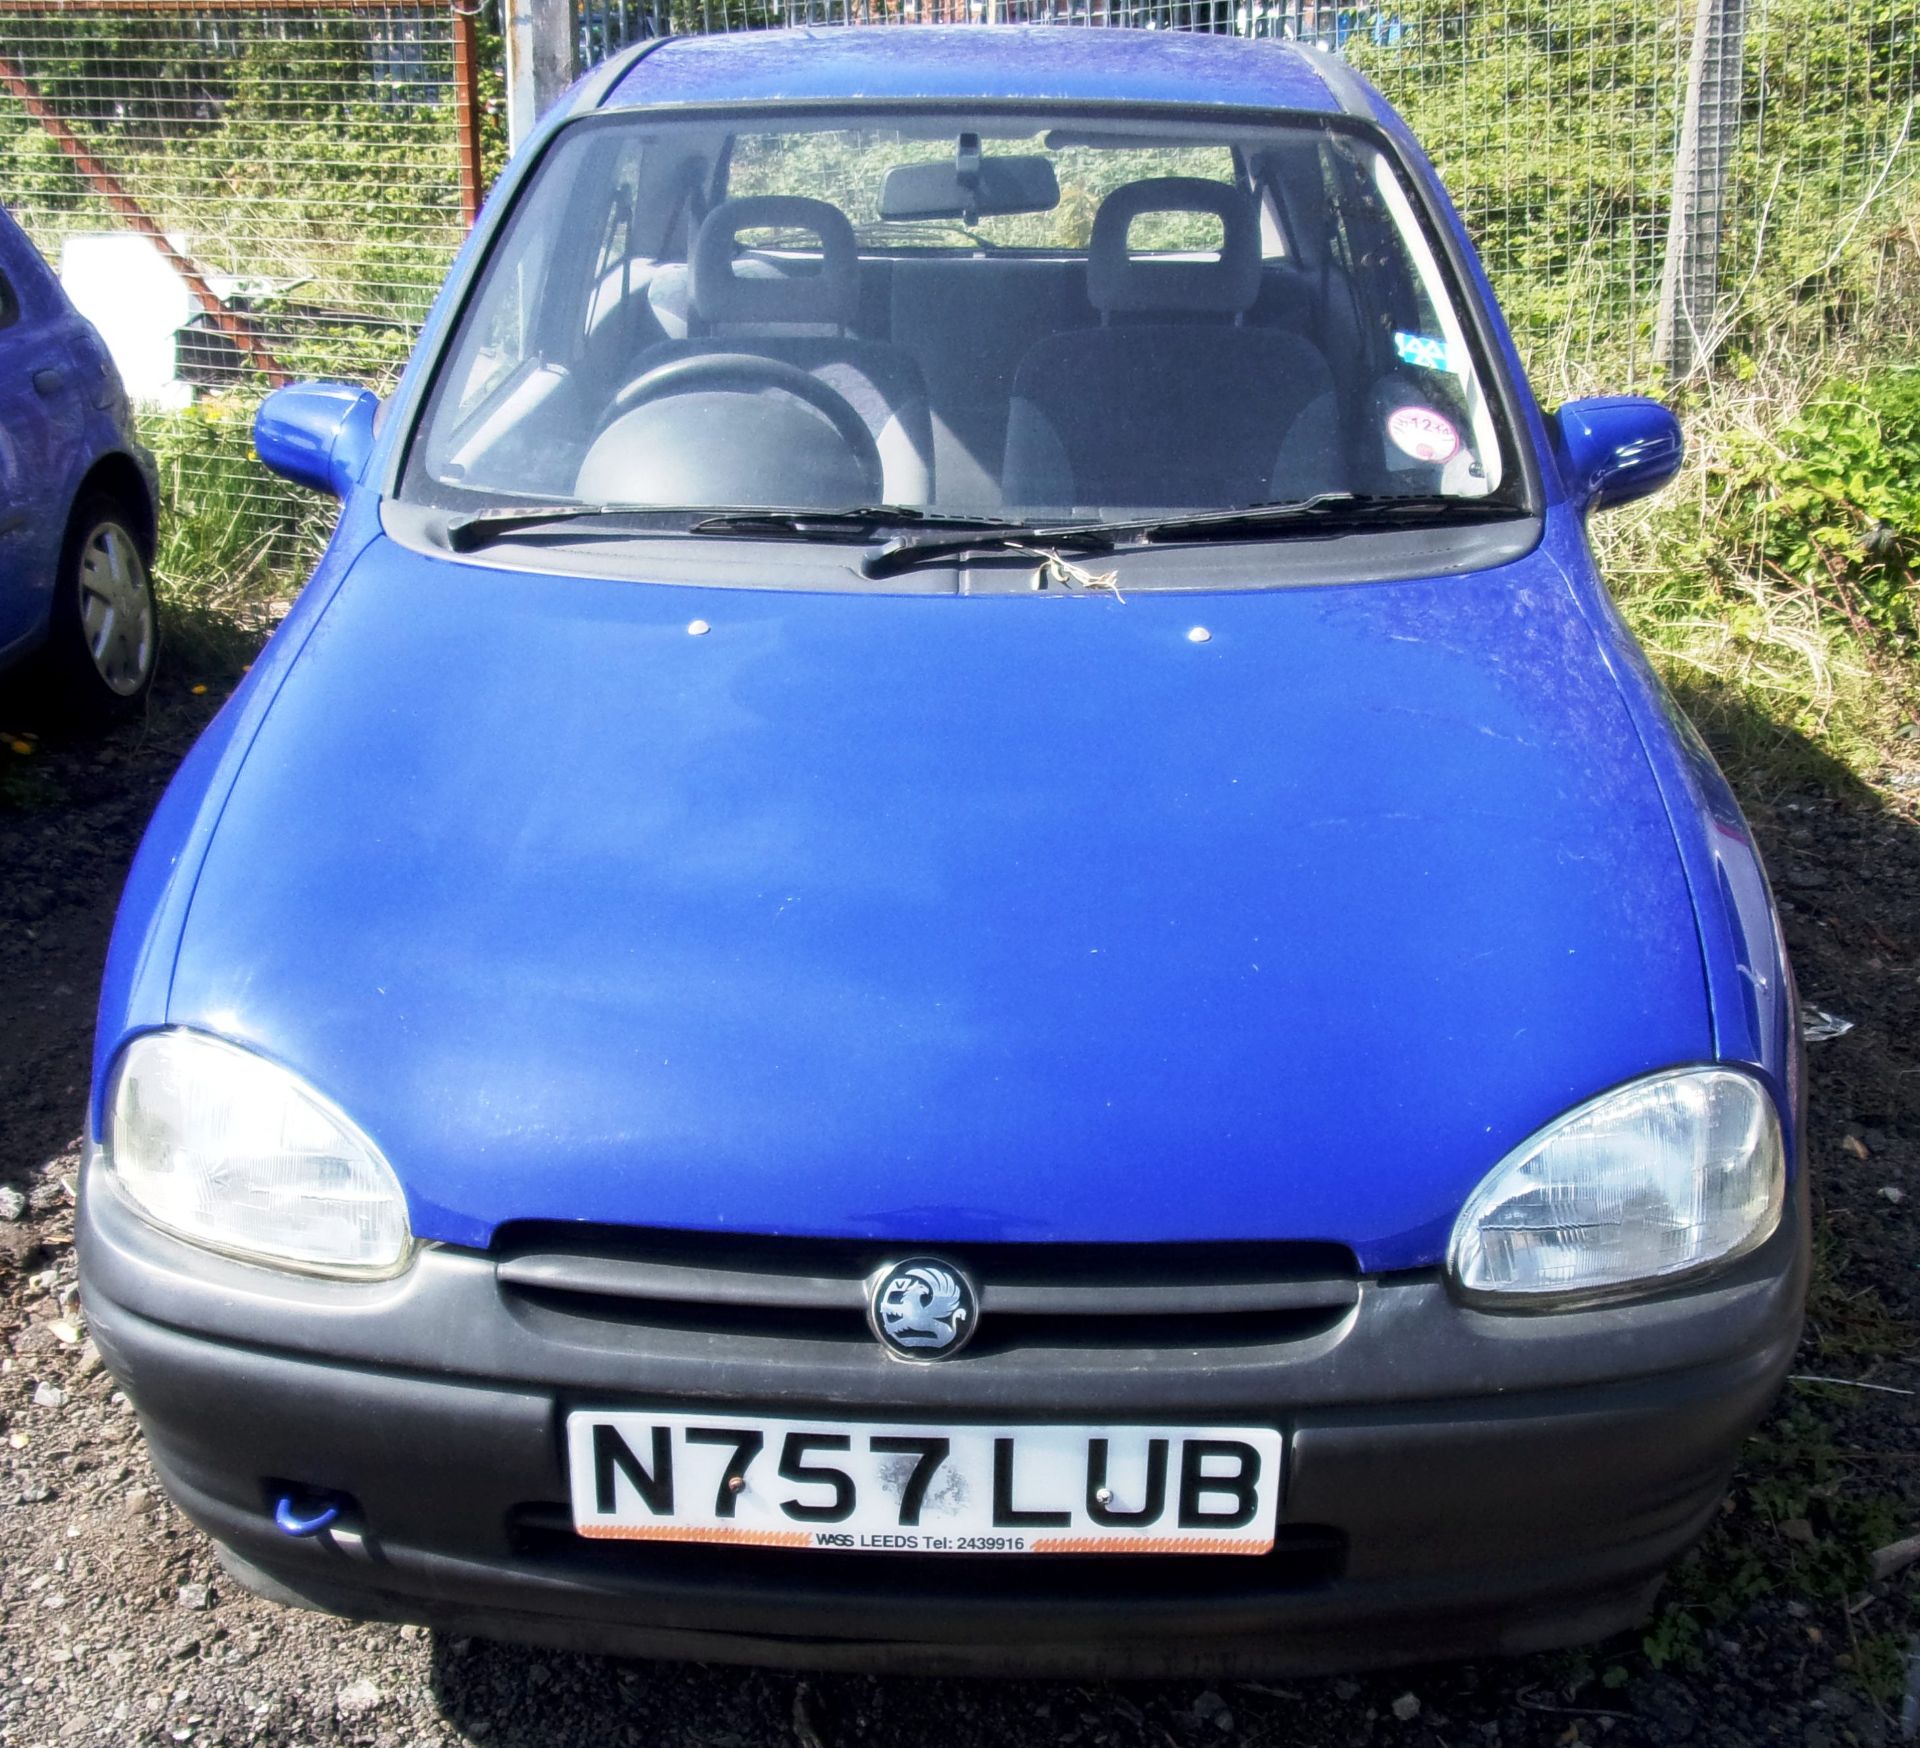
620 251
9 303
682 312
848 167
1406 312
506 370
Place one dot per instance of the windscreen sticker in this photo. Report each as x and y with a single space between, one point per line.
1425 353
1423 434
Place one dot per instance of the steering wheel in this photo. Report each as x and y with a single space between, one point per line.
746 373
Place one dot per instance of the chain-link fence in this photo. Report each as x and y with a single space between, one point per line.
602 26
1752 159
239 192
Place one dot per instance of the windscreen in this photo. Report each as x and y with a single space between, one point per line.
1026 316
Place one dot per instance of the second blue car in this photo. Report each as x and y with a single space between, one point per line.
78 501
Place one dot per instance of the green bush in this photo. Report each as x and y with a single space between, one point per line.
1772 581
1832 501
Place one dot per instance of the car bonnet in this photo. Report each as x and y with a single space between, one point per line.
1255 915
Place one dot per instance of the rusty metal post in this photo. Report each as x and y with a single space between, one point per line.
466 108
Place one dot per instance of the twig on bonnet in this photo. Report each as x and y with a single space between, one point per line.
1071 576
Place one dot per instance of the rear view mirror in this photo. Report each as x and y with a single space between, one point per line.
989 187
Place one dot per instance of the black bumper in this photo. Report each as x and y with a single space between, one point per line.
1458 1482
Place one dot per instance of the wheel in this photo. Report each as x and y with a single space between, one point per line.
104 633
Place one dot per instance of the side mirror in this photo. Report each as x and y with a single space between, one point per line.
317 434
1616 448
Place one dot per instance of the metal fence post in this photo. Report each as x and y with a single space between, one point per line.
466 107
539 60
1684 335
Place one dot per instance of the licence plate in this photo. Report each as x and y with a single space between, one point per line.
764 1481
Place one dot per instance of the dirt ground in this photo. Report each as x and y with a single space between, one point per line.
116 1625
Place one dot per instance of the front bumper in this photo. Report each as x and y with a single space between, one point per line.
1458 1482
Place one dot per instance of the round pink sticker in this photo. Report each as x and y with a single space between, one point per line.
1422 433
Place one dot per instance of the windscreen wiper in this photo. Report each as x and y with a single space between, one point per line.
1324 509
1016 537
858 523
969 533
483 527
985 534
1356 509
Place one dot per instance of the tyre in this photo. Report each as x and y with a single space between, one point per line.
104 634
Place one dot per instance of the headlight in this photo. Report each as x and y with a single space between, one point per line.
225 1148
1655 1180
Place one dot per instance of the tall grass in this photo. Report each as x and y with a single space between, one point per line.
235 543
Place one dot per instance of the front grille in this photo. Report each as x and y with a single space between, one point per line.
1304 1556
1095 1299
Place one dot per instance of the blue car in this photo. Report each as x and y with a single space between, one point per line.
78 500
955 934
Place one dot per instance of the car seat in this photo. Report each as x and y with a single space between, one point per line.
1189 408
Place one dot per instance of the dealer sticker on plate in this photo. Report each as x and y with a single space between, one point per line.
763 1481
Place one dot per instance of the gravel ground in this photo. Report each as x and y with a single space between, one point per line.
116 1625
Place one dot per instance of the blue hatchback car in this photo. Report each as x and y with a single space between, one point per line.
78 498
955 933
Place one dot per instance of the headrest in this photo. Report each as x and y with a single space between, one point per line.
830 294
1117 280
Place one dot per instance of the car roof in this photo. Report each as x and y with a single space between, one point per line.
1045 63
21 257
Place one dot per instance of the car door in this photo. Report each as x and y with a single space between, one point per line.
40 430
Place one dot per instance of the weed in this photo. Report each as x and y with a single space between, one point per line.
1878 1663
1848 1323
1674 1640
235 542
1831 502
25 782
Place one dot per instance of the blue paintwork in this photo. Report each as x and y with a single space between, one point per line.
781 926
294 1519
63 413
317 434
1040 62
936 918
1617 448
160 884
1749 981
